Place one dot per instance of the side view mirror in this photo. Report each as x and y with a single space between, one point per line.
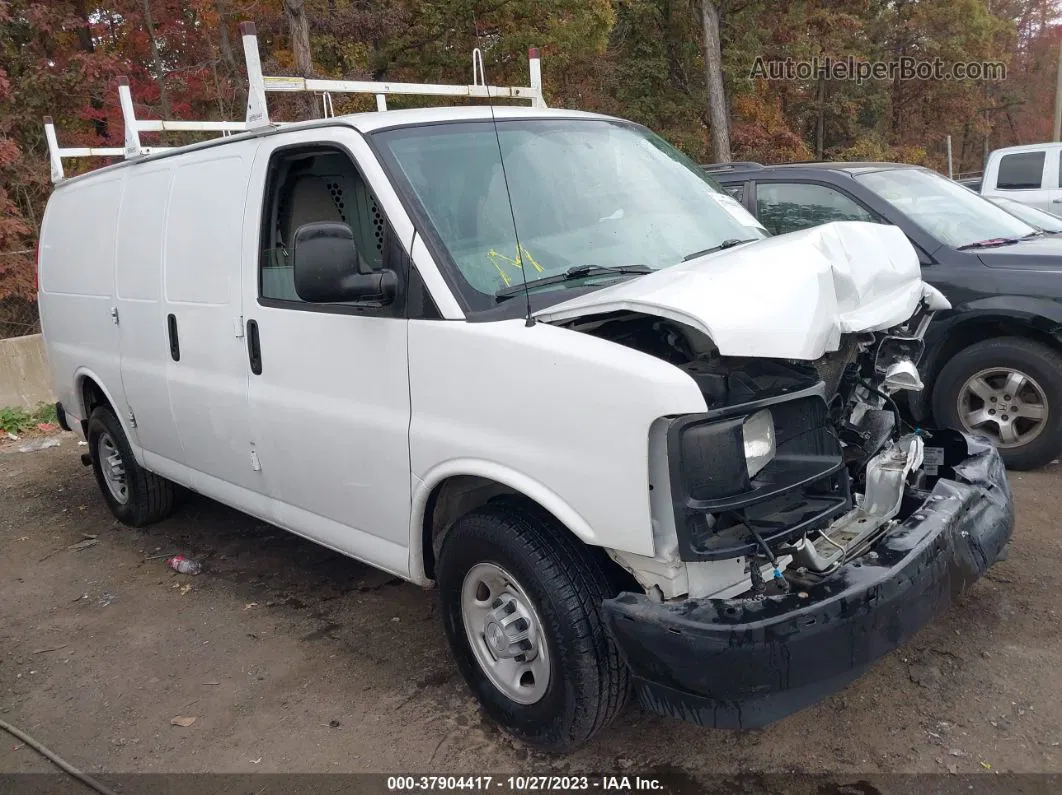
325 263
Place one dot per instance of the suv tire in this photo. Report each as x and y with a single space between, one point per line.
1024 441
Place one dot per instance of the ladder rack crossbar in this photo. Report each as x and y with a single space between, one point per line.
298 84
190 126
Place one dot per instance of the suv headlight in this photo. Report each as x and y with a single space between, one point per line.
758 435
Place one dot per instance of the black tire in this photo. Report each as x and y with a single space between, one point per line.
1038 361
150 497
589 682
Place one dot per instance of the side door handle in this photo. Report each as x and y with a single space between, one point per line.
175 342
254 347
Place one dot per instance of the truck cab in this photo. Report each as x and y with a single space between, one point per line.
1027 174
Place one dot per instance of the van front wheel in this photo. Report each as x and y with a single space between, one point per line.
135 496
522 611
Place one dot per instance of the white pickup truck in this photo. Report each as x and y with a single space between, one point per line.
1028 174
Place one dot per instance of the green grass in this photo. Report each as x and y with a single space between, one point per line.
16 420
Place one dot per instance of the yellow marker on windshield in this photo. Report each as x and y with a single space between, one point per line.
501 273
516 262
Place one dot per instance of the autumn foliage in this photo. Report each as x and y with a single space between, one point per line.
641 59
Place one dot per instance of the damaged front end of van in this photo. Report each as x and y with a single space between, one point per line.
802 529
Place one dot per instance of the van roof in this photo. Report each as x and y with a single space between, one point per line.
362 122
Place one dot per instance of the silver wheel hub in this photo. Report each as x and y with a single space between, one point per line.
505 633
1004 404
112 468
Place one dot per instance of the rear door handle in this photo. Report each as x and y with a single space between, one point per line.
175 342
254 347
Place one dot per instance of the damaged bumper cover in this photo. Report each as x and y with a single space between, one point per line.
740 663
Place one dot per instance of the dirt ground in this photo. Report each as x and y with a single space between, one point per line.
294 659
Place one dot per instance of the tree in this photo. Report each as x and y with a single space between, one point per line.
718 115
160 67
299 25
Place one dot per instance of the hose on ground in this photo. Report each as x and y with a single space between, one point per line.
57 760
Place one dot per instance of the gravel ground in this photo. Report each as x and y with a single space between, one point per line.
291 658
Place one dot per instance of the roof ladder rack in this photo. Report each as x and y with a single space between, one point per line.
258 113
57 153
133 128
259 84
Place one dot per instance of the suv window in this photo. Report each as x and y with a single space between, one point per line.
307 186
737 191
1021 171
786 207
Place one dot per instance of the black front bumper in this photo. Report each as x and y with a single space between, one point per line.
737 663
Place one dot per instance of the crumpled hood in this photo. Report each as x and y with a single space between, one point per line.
785 297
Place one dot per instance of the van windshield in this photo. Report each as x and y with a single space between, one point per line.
587 196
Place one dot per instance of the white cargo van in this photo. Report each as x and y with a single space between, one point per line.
538 359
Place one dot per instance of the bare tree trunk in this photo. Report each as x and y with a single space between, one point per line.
164 92
718 117
1013 129
820 122
299 25
227 55
84 39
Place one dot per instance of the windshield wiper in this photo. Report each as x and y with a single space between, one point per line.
724 245
992 242
572 274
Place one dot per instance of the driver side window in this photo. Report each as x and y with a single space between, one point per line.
786 207
308 186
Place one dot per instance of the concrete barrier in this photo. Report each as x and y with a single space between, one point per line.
25 378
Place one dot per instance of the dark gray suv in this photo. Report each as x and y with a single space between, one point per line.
993 363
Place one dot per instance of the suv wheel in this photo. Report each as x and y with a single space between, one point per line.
1009 390
521 604
135 496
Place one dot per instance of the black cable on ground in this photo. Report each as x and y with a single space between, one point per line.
53 757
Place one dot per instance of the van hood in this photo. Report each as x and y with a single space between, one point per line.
785 297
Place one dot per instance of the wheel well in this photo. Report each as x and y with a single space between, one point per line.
455 496
92 396
450 500
980 330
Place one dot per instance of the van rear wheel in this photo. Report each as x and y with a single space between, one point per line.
522 611
135 496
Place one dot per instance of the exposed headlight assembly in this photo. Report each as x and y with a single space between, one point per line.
758 435
776 467
721 457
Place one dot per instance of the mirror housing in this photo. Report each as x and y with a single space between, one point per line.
325 264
